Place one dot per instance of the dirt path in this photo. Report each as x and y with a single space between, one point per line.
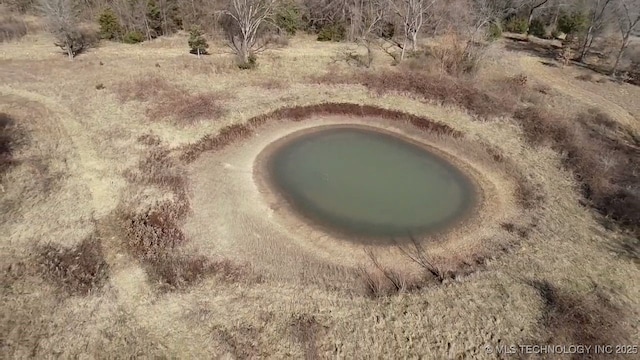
89 167
549 76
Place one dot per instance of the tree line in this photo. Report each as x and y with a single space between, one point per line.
247 25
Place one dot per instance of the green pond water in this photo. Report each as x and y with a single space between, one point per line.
367 183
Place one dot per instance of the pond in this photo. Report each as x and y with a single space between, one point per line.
364 182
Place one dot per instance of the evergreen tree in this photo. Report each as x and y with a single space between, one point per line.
154 20
197 42
110 28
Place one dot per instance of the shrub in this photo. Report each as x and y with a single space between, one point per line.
12 28
332 32
251 63
78 270
494 32
197 42
110 28
11 137
288 18
572 23
133 37
517 25
537 28
457 56
63 21
187 109
146 88
387 30
76 41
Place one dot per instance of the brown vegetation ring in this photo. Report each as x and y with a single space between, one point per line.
451 248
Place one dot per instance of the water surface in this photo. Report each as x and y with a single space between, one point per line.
369 183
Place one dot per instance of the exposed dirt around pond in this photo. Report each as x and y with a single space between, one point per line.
264 221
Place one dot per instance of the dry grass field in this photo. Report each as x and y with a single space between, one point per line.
131 223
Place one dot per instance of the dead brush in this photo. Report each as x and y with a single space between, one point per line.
186 109
458 56
78 270
588 319
12 28
147 88
273 84
154 236
168 101
11 138
175 270
433 87
299 113
610 186
155 232
149 140
306 330
587 77
158 168
155 239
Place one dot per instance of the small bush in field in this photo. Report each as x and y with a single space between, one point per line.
133 37
333 32
252 63
110 28
572 23
494 32
79 270
537 28
517 25
11 29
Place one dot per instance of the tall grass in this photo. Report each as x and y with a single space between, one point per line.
154 235
11 28
586 319
166 101
79 270
298 113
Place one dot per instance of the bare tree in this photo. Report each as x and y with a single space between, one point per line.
628 14
538 4
243 32
598 14
62 22
366 16
412 13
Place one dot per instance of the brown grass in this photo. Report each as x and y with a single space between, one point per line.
602 155
611 191
588 319
155 237
12 28
187 109
587 77
299 113
149 139
306 330
273 84
11 137
146 88
440 88
79 270
158 168
168 101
